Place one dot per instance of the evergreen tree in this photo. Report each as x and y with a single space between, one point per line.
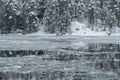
110 21
91 15
57 15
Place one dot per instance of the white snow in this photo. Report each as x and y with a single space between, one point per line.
40 32
18 12
81 29
77 28
10 17
32 13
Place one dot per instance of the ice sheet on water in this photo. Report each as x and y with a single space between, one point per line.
28 42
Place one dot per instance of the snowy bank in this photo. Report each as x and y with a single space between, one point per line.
77 29
81 29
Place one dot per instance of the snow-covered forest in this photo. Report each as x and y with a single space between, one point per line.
59 39
56 16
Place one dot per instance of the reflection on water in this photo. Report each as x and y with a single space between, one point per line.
94 61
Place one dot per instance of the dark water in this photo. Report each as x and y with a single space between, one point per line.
93 61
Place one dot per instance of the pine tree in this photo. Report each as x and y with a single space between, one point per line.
110 21
91 16
56 15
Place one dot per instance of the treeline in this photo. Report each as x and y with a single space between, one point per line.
26 16
21 16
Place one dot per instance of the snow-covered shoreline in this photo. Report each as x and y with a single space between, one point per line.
78 29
